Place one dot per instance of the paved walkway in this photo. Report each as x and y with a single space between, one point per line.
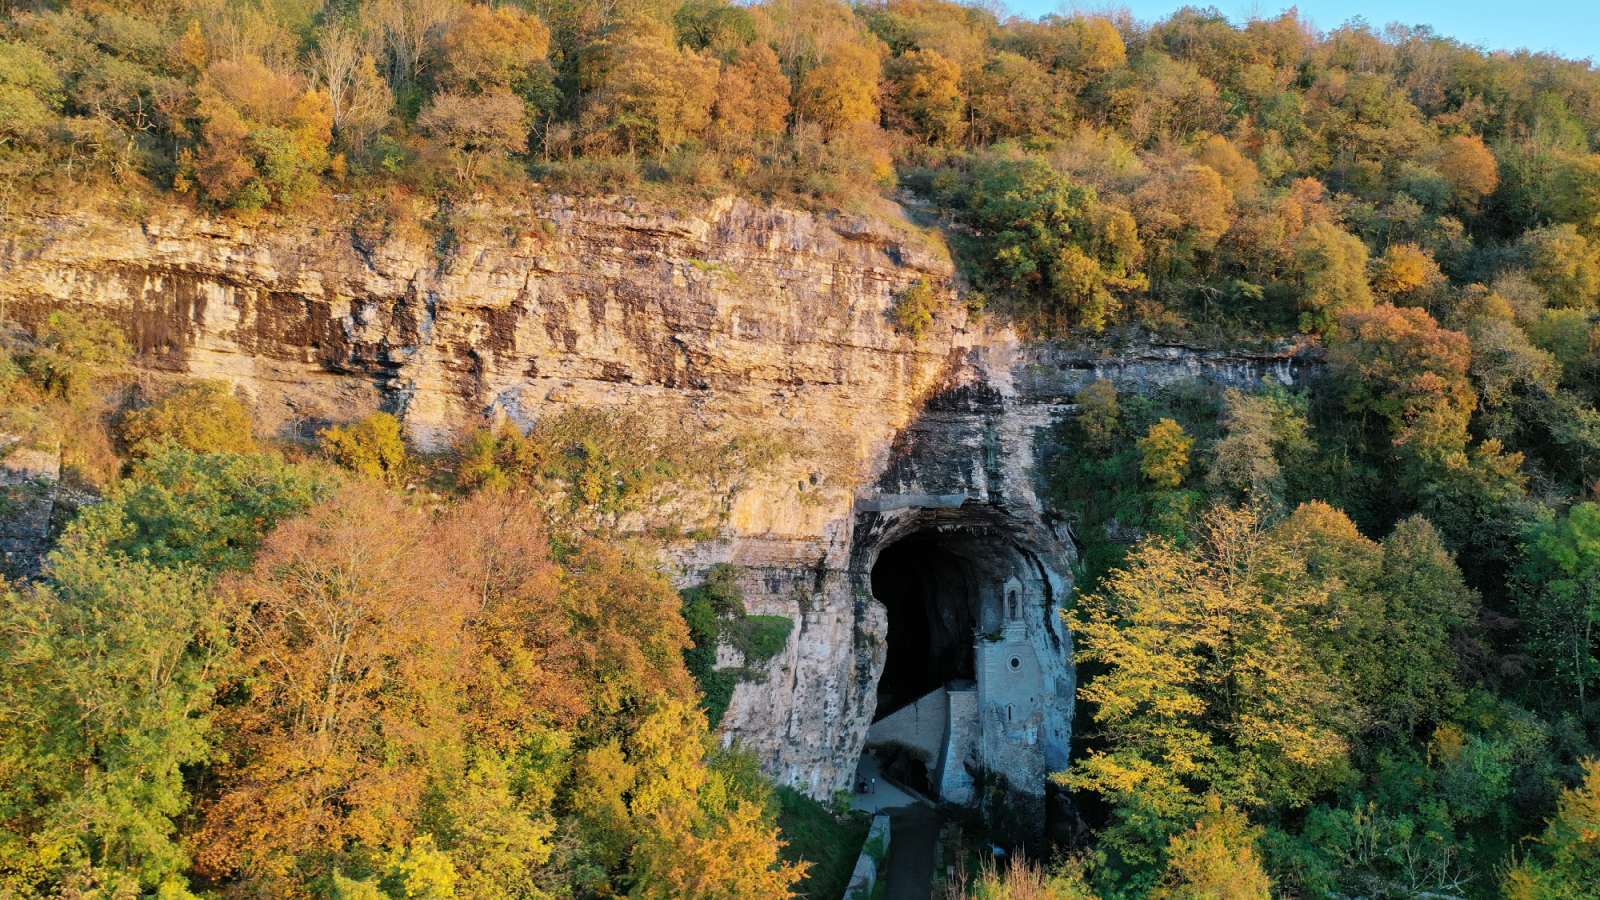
913 834
885 796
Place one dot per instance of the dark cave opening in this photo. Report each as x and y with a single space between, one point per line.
931 598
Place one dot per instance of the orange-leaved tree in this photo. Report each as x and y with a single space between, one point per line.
435 697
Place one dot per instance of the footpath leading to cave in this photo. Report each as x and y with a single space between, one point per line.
915 830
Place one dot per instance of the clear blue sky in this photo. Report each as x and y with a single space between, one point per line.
1568 27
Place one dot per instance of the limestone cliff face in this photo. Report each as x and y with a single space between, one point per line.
731 316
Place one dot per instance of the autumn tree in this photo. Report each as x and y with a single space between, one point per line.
1564 264
1092 46
1263 431
1209 684
1331 265
1182 210
650 93
1164 454
345 613
476 131
264 138
1239 173
1099 415
1401 367
842 90
345 68
202 416
486 49
1565 865
924 96
1470 167
1217 858
373 446
1010 96
408 27
752 97
1405 272
1409 378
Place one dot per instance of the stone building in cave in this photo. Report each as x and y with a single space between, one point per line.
976 679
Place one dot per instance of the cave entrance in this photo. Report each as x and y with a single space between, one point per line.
974 676
931 598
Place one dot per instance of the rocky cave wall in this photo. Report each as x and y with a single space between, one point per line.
731 316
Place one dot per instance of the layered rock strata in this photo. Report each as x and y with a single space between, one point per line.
732 318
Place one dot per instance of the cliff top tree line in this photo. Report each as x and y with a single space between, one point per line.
1353 651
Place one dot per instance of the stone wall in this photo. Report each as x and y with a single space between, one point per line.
920 725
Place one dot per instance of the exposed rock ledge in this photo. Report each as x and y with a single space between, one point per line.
735 315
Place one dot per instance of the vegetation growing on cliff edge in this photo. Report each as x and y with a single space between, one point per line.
1340 639
243 674
1192 175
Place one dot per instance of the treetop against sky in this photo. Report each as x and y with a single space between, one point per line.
1568 27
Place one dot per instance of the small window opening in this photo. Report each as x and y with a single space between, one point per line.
1016 662
1012 602
1008 712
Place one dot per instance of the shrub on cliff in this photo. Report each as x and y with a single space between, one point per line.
202 416
914 308
372 446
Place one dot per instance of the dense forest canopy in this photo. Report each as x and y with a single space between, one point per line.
1188 173
1335 640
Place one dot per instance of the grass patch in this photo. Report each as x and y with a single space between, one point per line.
819 837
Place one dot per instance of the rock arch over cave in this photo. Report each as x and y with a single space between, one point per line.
972 664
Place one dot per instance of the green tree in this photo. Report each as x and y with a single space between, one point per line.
1396 612
1561 596
110 666
30 94
1051 242
178 507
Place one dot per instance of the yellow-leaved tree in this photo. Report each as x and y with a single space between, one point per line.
648 92
1164 454
1209 684
842 91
